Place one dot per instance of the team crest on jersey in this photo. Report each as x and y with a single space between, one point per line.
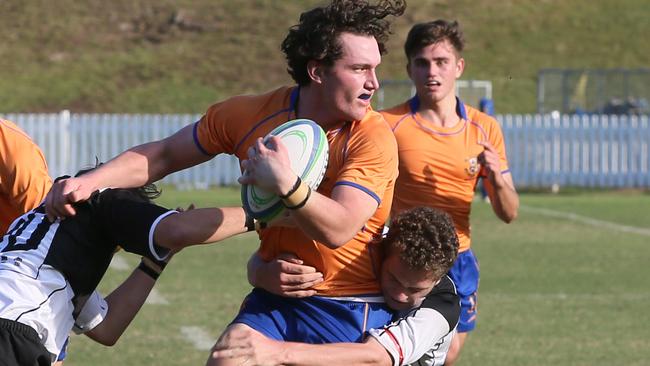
473 166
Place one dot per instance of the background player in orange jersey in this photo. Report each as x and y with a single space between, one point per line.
444 147
332 55
24 179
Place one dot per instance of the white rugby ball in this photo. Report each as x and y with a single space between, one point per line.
308 153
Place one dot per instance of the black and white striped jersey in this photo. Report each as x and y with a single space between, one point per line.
422 336
49 269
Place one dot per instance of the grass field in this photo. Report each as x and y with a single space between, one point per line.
567 285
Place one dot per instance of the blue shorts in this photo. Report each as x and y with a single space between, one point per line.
311 320
465 274
64 351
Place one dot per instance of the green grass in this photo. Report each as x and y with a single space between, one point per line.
552 291
125 56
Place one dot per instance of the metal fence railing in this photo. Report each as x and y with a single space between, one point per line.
543 150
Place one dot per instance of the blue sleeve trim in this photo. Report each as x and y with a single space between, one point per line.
195 134
259 124
362 188
414 104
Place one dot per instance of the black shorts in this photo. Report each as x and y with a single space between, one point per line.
21 346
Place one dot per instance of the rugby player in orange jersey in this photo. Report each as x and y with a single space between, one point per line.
444 147
332 55
24 179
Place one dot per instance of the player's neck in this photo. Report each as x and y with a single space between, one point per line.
440 113
310 106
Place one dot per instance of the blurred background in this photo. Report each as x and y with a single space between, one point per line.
569 81
165 56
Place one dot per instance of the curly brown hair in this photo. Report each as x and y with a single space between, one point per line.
425 34
316 37
425 238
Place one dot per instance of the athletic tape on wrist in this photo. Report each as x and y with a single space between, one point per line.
293 189
148 270
299 198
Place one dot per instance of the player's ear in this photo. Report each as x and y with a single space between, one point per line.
460 67
315 71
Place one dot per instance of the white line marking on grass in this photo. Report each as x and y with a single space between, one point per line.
118 263
606 297
587 220
198 337
156 298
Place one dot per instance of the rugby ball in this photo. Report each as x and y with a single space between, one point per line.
308 150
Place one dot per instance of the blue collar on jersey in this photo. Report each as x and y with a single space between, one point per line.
293 103
414 104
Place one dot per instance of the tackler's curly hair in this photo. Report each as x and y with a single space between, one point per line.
316 37
425 239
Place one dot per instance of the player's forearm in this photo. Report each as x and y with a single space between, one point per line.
335 220
326 221
298 354
198 226
150 162
123 304
130 169
503 197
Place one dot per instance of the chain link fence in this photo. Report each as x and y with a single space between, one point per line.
589 91
393 92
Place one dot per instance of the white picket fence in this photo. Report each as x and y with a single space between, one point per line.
579 151
543 150
73 141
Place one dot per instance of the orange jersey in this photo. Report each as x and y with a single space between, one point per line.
24 180
438 167
362 154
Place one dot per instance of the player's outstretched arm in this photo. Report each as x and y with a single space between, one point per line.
125 302
261 351
199 226
133 168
